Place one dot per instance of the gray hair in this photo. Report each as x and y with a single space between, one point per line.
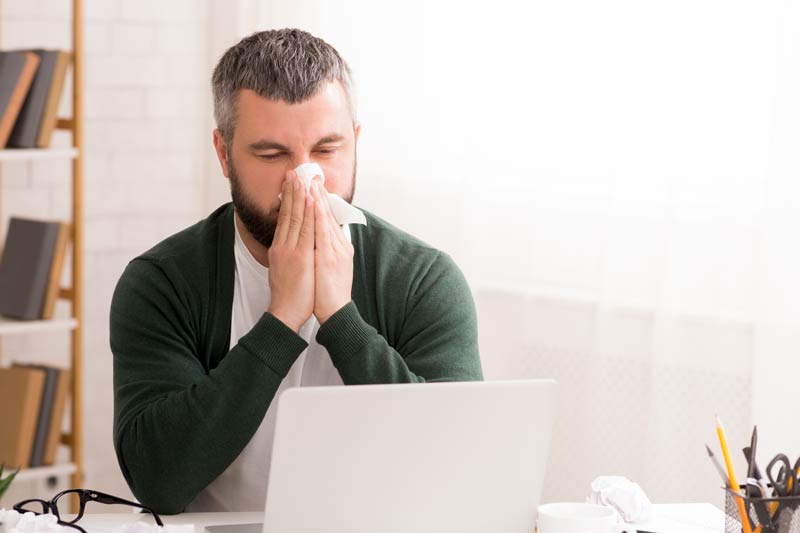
288 64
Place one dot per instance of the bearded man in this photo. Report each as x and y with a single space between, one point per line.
289 285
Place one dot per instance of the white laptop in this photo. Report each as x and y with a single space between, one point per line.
436 457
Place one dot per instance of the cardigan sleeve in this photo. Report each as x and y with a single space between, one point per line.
438 339
177 426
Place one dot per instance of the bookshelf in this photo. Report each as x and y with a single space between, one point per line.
15 327
73 438
38 154
43 472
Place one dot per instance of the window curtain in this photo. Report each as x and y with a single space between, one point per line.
619 183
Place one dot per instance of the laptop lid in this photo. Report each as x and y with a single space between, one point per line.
434 457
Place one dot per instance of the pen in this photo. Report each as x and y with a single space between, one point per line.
718 466
723 443
751 463
758 487
749 454
756 472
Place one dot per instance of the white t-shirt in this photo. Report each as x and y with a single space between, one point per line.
243 485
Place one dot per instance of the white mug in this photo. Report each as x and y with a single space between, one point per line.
579 518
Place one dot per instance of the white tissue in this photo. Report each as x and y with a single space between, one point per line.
143 527
9 518
342 211
622 495
14 522
307 171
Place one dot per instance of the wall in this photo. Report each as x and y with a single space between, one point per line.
146 109
618 182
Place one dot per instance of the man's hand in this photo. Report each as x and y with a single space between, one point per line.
333 258
291 256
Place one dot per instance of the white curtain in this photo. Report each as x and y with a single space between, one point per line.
619 182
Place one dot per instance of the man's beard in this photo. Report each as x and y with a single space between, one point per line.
261 224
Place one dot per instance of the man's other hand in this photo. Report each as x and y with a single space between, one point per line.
333 258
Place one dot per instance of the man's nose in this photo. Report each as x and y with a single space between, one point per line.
296 161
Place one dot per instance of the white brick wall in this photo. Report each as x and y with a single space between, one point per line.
146 122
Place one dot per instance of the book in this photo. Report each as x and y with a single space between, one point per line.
50 116
40 435
25 267
57 416
17 70
54 281
20 399
26 129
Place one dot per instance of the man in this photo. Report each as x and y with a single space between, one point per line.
271 292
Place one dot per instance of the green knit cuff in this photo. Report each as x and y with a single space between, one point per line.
275 343
345 333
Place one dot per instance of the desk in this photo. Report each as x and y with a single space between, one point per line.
668 518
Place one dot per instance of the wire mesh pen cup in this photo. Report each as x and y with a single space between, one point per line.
766 515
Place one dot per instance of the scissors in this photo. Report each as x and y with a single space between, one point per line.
783 476
784 479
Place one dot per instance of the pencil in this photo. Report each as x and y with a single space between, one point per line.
718 466
723 443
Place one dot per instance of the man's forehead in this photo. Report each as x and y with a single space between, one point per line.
330 94
324 113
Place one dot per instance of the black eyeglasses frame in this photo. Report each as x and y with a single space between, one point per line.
85 496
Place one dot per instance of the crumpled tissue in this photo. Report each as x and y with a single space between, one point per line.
14 522
622 495
343 212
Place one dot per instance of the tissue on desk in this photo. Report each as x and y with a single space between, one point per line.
14 522
342 211
9 518
624 496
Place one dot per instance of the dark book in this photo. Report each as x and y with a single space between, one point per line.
25 267
43 420
26 130
57 416
50 116
17 70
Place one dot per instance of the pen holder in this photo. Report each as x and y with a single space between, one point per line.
766 515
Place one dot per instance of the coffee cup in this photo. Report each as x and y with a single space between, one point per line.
567 517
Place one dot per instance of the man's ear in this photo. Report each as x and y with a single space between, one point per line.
356 129
222 152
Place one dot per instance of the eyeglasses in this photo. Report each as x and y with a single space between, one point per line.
40 507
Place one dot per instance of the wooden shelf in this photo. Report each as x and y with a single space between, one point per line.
32 154
44 472
73 155
9 326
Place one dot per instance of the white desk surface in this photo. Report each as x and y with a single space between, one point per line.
668 518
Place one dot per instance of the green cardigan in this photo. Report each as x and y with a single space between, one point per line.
185 405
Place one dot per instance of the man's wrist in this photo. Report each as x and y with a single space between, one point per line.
294 325
323 317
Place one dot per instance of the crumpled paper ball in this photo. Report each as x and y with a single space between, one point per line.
622 495
9 518
14 522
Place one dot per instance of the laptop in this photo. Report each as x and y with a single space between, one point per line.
436 457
